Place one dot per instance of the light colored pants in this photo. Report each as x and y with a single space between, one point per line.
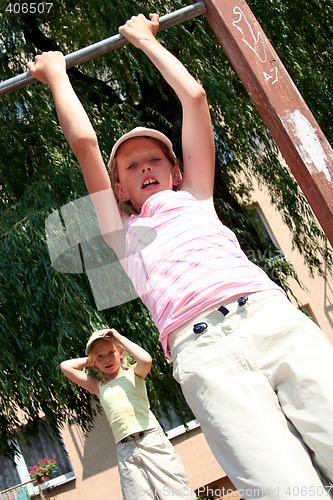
150 468
260 382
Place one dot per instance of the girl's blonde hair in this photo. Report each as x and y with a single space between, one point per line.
113 170
125 364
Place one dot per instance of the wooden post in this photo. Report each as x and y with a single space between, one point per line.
281 106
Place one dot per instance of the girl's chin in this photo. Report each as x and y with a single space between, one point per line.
150 190
146 194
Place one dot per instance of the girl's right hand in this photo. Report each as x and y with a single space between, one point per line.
89 361
47 66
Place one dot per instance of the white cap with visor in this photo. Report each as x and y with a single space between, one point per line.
99 334
141 132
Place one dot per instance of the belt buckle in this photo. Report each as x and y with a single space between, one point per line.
132 436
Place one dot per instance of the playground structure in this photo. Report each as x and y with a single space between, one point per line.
281 106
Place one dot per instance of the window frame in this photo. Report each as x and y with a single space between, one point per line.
255 207
23 473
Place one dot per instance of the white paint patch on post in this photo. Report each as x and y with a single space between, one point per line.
311 149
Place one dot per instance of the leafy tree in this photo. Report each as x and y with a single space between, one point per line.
46 316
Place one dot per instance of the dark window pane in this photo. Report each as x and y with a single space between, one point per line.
43 446
8 474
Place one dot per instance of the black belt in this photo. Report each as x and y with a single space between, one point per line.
132 436
202 326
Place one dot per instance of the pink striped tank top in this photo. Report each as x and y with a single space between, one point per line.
182 260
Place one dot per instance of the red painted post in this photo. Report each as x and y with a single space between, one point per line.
281 106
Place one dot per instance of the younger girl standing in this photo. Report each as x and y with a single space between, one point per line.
149 466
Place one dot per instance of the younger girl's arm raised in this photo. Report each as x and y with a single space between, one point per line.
143 359
72 368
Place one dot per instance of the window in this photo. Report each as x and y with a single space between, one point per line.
173 426
181 429
263 225
42 445
9 475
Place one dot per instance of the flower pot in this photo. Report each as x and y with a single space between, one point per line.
42 479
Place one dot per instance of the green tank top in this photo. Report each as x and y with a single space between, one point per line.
126 405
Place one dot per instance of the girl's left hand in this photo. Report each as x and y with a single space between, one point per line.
112 334
139 29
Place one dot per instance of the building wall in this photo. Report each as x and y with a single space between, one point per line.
319 291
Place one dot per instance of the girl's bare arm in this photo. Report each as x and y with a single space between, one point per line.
143 359
72 368
197 132
50 68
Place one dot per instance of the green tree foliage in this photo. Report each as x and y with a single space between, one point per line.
46 316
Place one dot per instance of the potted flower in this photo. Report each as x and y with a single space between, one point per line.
43 470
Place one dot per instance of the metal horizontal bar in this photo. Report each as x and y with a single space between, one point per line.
99 48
